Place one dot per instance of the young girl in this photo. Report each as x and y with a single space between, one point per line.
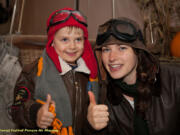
143 96
51 93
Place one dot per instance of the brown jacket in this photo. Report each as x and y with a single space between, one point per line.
25 108
163 115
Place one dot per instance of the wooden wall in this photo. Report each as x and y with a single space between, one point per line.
36 13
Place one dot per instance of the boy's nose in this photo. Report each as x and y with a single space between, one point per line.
72 45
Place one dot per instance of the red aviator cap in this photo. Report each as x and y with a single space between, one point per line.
72 20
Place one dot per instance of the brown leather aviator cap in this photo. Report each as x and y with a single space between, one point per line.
120 31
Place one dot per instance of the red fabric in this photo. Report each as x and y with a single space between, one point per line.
87 55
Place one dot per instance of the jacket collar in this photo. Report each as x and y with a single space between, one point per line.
81 66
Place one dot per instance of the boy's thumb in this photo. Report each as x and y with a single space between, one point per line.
48 101
92 97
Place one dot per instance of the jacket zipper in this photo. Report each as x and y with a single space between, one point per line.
76 90
130 108
149 124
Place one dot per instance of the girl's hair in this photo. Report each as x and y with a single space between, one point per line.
146 76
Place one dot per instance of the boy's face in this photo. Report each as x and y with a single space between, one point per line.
69 43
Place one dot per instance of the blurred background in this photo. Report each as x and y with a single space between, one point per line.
23 33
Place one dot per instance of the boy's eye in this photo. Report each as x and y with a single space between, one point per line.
79 39
64 39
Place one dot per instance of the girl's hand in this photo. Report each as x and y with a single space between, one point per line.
98 115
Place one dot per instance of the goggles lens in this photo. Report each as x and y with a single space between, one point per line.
59 17
125 29
63 15
120 29
79 16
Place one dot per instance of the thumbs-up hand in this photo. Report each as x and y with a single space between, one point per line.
98 115
44 117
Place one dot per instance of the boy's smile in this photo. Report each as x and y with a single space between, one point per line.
69 43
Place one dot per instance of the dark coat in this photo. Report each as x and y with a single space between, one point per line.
163 115
25 109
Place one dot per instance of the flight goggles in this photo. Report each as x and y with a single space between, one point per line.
63 15
120 29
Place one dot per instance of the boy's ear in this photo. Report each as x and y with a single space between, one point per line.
52 44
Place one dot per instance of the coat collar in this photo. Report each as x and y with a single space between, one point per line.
82 67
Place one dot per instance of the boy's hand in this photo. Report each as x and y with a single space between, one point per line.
98 115
44 117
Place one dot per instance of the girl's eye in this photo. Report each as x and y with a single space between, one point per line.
122 47
104 49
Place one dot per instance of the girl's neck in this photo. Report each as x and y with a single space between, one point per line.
128 97
130 79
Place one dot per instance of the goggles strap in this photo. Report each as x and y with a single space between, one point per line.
140 36
70 13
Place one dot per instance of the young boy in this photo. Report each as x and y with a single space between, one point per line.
59 79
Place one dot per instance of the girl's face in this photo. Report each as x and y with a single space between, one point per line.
120 61
69 43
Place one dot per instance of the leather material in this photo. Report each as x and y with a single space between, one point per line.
163 115
75 83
